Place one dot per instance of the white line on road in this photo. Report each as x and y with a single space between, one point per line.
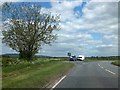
106 69
100 65
58 82
110 71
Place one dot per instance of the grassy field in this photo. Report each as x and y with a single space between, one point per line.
92 60
117 63
109 58
33 75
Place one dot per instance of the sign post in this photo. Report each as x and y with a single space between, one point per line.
69 54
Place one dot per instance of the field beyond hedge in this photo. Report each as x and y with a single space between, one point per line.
35 74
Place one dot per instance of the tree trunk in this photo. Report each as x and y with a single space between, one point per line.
27 55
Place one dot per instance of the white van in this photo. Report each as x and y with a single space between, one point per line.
81 57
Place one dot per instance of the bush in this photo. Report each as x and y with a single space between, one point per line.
9 61
117 63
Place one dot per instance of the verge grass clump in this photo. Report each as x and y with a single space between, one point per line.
117 63
33 75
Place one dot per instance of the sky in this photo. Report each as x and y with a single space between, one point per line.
89 28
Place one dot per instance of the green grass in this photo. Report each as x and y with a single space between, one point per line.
28 75
117 63
92 60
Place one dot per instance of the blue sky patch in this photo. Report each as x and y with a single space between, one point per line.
97 36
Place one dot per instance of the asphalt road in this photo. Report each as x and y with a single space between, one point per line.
100 74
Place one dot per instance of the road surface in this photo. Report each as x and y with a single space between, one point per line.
101 74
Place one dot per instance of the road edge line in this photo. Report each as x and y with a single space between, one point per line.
58 82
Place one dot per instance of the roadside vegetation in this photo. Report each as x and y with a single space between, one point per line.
35 74
110 58
28 29
117 63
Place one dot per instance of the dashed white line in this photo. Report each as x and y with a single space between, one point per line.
58 82
110 71
99 65
107 69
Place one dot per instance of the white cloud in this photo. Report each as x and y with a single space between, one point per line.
65 8
105 0
0 37
111 37
107 50
75 34
104 46
97 17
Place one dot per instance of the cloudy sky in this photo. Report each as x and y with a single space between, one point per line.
89 28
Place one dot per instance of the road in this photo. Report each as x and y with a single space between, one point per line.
101 74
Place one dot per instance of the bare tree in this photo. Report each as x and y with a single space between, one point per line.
27 28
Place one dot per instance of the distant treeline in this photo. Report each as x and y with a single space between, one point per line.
86 58
103 58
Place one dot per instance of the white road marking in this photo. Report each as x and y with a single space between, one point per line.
106 69
100 65
110 71
58 82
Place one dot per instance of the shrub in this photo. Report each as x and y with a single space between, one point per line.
9 61
116 63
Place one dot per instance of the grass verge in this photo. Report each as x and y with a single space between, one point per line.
117 63
94 60
35 75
